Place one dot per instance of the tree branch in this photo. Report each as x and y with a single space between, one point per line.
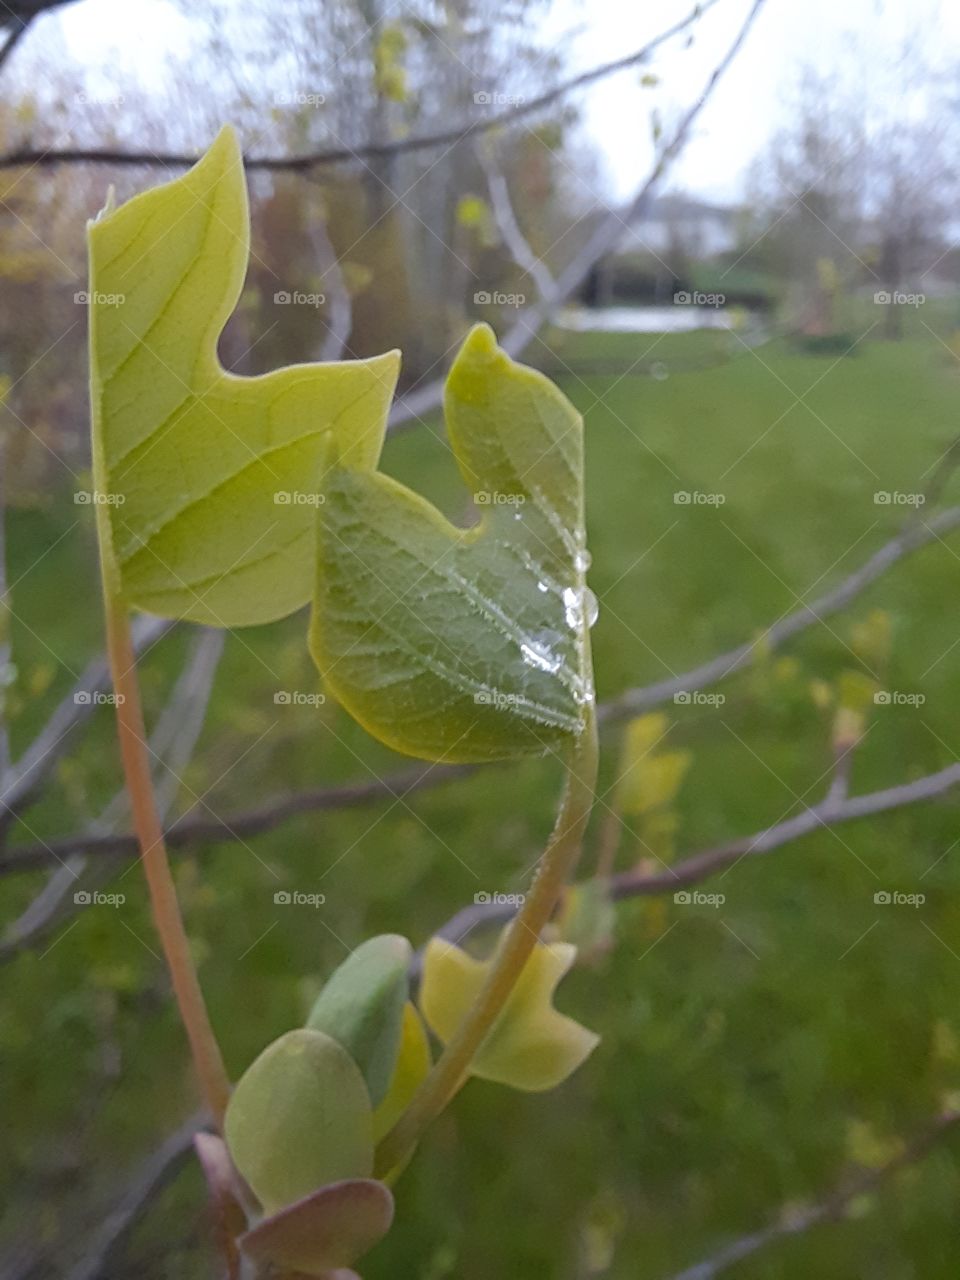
420 401
366 151
832 1208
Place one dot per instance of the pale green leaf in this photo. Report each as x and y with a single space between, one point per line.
465 644
530 1046
362 1004
300 1118
192 465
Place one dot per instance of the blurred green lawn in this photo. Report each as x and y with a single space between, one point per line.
742 1046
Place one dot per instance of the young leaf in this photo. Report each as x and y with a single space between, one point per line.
324 1232
300 1118
361 1006
531 1046
465 644
206 482
412 1065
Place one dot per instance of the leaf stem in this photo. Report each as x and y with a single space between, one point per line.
556 865
163 895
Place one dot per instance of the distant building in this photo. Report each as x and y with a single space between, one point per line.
681 223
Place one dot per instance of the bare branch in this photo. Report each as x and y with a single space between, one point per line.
424 400
793 1221
910 538
19 784
189 830
516 242
367 151
172 744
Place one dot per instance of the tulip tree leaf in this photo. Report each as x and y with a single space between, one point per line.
409 1072
300 1118
464 644
530 1046
362 1004
206 483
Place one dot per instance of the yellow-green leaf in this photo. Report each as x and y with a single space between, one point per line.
300 1118
465 644
410 1069
649 779
531 1046
206 483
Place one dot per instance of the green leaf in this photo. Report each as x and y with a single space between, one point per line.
327 1230
361 1006
530 1046
410 1070
300 1118
191 463
465 644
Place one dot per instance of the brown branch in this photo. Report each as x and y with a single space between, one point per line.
190 830
366 151
834 1207
20 782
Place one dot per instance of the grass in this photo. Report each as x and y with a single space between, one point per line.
748 1049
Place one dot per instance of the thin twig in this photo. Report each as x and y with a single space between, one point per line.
365 151
506 219
794 1221
424 400
22 780
190 830
171 746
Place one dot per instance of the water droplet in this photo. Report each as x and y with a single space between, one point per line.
538 651
659 371
542 586
582 560
591 606
573 608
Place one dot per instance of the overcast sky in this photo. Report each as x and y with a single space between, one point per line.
861 40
